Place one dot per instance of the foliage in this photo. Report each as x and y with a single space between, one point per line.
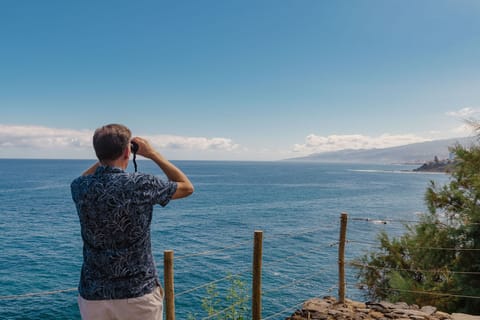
232 307
432 263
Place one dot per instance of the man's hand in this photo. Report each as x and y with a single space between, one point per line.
184 186
144 147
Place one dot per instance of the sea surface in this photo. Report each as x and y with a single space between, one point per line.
296 205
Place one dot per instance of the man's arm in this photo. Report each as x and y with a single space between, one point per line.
184 186
91 170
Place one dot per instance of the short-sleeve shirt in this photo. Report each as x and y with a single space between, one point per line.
115 210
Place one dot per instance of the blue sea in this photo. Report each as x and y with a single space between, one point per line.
296 205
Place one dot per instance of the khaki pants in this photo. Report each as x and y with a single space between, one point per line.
147 307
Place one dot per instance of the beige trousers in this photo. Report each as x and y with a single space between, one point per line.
147 307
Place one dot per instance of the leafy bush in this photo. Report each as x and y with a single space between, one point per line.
234 306
437 261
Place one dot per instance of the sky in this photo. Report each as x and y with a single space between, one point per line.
236 80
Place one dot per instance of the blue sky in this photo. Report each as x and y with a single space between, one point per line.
236 80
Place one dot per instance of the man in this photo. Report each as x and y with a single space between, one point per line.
119 279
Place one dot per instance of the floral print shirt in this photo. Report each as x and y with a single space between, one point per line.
115 210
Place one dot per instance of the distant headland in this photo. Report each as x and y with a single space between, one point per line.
413 154
445 165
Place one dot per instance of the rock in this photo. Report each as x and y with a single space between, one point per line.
442 315
328 308
429 310
358 305
415 313
334 312
462 316
316 305
376 314
401 305
414 317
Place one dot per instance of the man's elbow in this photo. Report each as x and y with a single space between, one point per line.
189 189
183 190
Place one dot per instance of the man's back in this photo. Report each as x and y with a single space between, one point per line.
115 211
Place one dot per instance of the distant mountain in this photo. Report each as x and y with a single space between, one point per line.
417 153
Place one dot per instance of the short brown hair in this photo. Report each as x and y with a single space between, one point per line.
110 141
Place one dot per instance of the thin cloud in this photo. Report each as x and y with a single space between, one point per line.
192 143
317 144
463 130
21 136
39 137
464 113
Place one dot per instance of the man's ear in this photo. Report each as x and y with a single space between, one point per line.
126 153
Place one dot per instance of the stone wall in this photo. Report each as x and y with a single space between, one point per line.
329 309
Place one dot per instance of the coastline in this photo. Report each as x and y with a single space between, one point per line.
444 166
328 308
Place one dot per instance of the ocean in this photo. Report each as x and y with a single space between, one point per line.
296 205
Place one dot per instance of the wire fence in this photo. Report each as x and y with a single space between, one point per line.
291 278
273 271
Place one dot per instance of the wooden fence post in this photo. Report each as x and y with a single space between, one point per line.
168 281
257 276
341 258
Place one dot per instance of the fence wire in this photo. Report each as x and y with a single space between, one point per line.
36 294
356 264
205 285
430 293
376 245
273 316
209 252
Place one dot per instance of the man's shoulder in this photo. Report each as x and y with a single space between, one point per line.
77 181
82 182
148 180
141 177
